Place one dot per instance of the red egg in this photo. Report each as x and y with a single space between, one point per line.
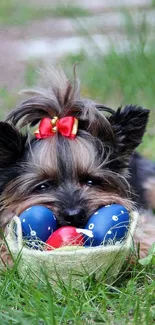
65 236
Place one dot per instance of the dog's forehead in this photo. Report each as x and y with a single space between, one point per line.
58 155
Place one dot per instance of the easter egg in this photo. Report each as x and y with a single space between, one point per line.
38 222
108 224
65 236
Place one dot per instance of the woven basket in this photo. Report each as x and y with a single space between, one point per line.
74 263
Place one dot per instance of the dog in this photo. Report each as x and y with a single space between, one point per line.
72 155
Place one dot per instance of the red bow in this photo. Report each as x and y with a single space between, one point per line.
66 126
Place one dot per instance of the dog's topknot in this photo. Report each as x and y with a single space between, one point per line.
115 133
61 97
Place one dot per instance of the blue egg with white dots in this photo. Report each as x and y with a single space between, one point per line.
108 224
38 223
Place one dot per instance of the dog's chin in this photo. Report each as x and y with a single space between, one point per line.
79 223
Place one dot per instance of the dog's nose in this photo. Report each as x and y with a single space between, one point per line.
74 216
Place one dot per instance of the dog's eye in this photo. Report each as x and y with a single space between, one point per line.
89 182
42 187
93 182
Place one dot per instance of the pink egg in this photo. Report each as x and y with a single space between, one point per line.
65 236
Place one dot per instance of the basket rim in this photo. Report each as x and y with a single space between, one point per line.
15 242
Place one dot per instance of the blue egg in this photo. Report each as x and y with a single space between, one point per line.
108 225
38 222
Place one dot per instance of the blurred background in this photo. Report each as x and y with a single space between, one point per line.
111 40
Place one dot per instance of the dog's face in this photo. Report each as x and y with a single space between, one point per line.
73 177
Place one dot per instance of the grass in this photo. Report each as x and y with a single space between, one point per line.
129 301
15 12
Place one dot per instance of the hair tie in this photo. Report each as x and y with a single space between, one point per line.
66 126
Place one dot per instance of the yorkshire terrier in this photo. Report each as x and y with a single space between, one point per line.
72 155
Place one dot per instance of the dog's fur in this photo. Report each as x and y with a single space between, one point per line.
73 177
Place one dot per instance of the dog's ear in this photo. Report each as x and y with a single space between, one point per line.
128 126
11 144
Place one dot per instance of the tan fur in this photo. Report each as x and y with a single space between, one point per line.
145 233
